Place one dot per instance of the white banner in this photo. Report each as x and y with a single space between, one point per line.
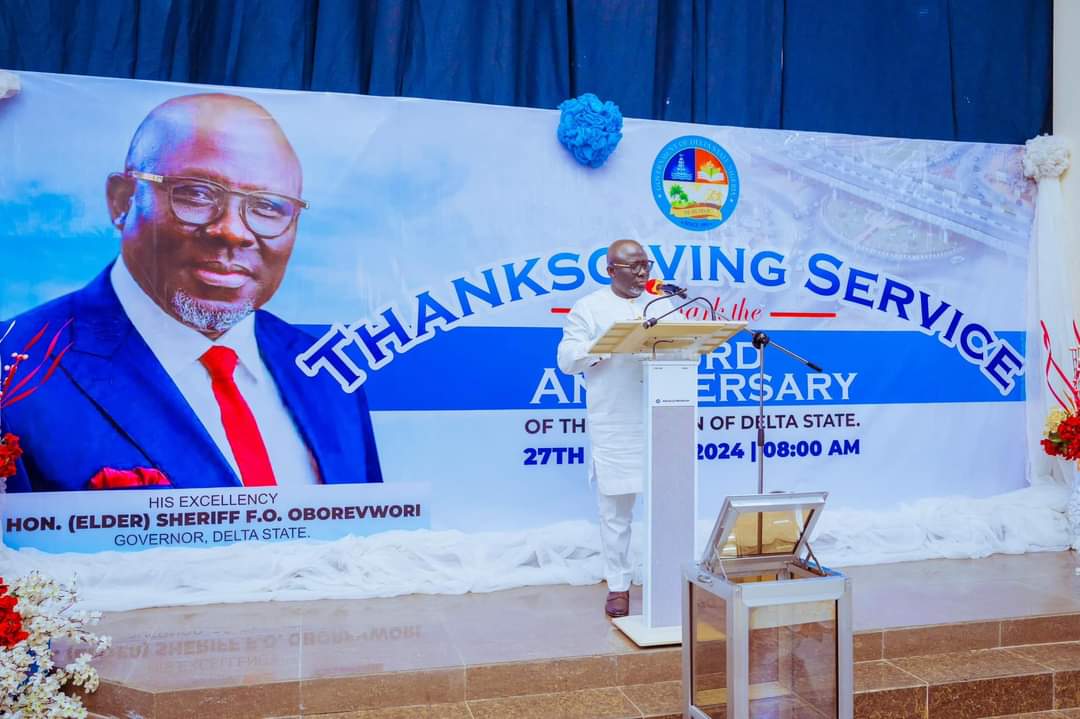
412 336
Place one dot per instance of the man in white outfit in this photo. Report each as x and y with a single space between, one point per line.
614 406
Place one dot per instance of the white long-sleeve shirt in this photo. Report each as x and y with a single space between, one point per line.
178 349
614 398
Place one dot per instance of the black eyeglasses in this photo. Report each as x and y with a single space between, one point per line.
636 267
199 202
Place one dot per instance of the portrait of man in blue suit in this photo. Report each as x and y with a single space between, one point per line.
174 376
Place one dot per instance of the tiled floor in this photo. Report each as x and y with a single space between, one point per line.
944 591
477 655
971 684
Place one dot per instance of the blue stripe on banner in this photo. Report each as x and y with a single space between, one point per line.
486 368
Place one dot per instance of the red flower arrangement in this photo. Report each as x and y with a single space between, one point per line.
11 622
12 391
1062 435
10 451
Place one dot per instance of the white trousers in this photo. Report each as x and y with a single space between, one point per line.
616 511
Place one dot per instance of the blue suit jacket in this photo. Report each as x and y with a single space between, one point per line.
111 404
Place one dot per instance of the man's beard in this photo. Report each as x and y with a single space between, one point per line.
209 317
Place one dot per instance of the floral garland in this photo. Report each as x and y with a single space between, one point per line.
36 611
589 129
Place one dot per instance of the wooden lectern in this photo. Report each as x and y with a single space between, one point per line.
670 397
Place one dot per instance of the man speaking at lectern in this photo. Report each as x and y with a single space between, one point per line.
615 406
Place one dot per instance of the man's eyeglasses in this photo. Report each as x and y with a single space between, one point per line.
199 202
636 267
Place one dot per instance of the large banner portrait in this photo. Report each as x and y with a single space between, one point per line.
247 315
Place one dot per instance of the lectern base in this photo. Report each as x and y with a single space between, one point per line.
643 635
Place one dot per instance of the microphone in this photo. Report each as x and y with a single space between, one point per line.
656 287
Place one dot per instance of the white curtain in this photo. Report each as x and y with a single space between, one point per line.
1052 329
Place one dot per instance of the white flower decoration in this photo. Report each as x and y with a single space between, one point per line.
1046 156
31 683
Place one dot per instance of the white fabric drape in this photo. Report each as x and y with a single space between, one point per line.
1051 331
392 563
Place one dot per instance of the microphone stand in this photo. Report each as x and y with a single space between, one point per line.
651 322
664 296
759 340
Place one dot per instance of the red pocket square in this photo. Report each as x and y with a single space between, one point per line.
109 478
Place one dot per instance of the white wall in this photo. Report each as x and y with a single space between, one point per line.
1067 121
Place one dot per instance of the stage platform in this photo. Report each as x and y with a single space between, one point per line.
940 639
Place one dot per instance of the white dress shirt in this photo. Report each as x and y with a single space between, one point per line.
614 403
178 348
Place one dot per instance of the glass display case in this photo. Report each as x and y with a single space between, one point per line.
766 628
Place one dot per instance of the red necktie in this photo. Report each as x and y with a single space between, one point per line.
240 427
